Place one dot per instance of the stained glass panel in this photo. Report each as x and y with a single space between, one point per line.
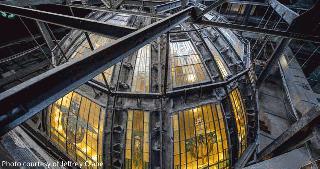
240 117
186 66
141 75
137 140
75 124
199 138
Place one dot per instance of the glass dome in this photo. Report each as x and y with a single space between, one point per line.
138 114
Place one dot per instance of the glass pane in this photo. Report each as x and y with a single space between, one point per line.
186 66
74 124
240 117
137 140
200 147
141 73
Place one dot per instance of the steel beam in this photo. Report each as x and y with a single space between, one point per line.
31 2
20 54
28 98
174 93
247 3
167 6
95 8
89 40
166 64
5 82
211 7
107 3
48 39
287 14
119 3
245 157
150 4
285 34
203 88
88 25
273 59
295 133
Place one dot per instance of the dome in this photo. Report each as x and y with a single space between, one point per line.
178 102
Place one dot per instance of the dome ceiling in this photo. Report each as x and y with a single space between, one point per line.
183 94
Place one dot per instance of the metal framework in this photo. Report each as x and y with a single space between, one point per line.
23 101
287 14
43 90
88 25
273 59
286 34
31 2
160 16
167 6
295 133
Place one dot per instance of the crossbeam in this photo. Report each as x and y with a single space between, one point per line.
87 25
295 133
283 44
95 8
31 2
28 98
285 34
215 4
167 6
287 14
150 4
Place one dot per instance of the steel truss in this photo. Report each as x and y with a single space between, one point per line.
25 100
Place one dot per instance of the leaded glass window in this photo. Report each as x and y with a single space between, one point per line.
76 127
186 66
97 41
240 117
84 48
200 138
137 140
141 75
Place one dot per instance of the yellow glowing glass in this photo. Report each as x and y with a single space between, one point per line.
186 66
76 127
137 140
84 48
240 117
199 138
